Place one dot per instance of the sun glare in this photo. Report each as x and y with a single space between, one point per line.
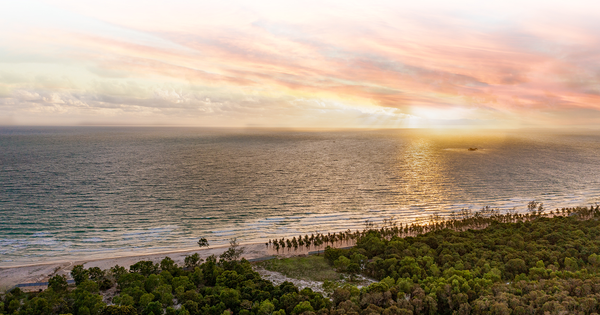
440 113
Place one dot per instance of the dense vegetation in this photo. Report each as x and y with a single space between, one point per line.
464 219
532 265
474 263
213 287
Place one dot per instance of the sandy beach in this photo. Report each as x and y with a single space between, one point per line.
10 276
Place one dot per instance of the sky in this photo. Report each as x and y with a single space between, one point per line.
301 64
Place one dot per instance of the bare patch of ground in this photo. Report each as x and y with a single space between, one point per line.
278 278
306 272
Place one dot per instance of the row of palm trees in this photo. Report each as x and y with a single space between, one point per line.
459 221
314 241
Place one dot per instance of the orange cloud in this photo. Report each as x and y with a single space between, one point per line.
389 56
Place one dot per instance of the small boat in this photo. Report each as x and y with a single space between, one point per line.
473 149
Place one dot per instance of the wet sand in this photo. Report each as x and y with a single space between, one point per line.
10 276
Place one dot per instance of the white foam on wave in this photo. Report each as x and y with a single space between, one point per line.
161 237
257 225
329 216
152 230
10 241
229 230
44 241
224 233
275 219
92 240
163 228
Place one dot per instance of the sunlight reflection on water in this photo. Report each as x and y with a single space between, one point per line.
74 192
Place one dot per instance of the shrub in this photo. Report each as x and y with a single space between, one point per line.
58 283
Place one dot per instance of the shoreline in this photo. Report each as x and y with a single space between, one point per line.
140 254
33 273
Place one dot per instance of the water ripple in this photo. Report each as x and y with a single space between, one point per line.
89 192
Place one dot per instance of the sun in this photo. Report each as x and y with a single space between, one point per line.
430 113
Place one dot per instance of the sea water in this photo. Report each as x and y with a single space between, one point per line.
89 192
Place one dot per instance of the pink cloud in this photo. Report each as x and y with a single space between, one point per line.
392 56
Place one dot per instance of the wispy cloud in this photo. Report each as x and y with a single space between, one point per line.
238 63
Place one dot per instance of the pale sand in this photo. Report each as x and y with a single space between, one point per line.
10 276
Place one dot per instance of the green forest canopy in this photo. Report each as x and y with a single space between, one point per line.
482 263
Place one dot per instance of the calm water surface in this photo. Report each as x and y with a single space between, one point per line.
90 192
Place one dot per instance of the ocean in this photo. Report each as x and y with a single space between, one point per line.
91 192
